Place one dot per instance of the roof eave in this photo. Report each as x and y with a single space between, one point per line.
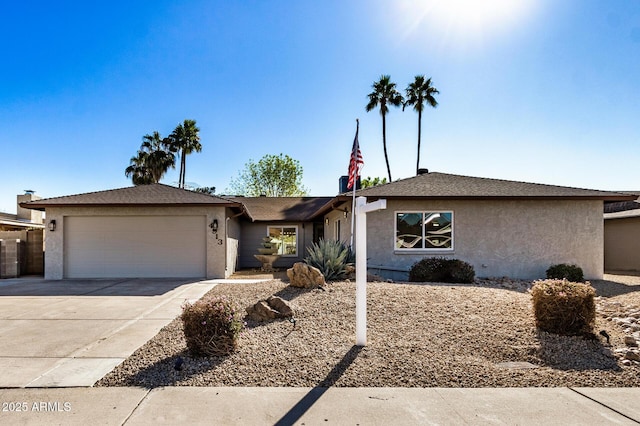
42 207
497 197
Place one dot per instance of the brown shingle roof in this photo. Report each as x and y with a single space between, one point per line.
293 209
442 185
148 195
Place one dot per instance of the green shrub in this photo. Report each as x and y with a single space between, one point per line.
564 307
440 269
331 258
567 272
211 326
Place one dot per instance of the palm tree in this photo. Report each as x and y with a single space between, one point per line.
185 139
138 170
153 160
160 158
419 92
384 93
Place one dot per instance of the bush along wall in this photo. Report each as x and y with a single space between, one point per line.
440 269
564 271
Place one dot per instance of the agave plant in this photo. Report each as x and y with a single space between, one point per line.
331 258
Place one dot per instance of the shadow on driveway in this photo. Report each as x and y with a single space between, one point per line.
94 287
616 284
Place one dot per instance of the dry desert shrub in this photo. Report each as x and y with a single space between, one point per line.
211 326
564 307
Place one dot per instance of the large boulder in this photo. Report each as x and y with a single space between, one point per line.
305 276
272 308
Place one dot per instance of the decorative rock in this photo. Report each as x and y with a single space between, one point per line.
633 356
282 306
305 276
261 311
350 271
272 308
630 341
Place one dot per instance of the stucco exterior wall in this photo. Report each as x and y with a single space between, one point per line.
54 241
233 241
515 238
337 216
622 244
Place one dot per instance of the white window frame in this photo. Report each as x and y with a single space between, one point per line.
423 249
281 228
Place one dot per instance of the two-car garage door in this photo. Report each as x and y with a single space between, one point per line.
134 246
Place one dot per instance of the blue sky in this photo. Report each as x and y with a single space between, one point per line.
546 91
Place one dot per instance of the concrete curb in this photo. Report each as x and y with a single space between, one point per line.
310 406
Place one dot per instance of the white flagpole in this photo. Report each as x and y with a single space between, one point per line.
353 201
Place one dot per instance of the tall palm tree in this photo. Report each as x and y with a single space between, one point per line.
139 172
153 160
160 158
419 92
384 93
185 139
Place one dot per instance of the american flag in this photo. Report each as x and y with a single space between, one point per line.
355 162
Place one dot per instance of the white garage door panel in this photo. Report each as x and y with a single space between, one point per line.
135 246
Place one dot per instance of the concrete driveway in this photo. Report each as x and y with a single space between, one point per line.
72 332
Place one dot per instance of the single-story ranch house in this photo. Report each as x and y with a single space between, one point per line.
622 236
503 228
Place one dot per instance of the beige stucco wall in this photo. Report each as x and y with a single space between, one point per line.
345 223
515 238
233 240
622 244
54 241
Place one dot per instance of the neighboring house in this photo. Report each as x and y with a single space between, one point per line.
502 228
622 236
24 219
21 240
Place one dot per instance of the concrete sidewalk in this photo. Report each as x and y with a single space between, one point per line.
315 406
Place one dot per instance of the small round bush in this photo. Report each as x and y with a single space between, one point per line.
440 269
564 307
211 326
461 272
567 272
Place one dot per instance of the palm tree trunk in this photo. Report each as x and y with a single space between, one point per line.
384 145
184 171
419 133
180 178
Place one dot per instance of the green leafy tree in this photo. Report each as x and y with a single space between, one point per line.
384 94
152 161
185 139
369 182
273 176
418 93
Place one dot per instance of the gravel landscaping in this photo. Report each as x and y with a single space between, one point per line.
419 335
